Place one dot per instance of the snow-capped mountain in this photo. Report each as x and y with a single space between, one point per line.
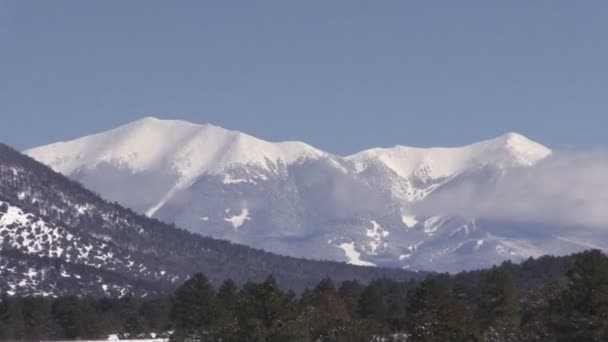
58 238
169 154
416 172
293 199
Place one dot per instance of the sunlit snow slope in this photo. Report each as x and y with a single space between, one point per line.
294 199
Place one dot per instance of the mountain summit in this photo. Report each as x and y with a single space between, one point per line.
294 199
179 150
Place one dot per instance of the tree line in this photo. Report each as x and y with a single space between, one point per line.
472 306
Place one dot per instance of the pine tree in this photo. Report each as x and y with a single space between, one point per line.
263 310
324 310
499 307
193 308
133 323
350 291
37 318
12 326
78 319
155 312
227 294
582 309
371 303
325 299
227 297
433 316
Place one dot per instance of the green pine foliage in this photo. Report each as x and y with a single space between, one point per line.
500 304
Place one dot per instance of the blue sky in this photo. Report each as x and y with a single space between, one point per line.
341 75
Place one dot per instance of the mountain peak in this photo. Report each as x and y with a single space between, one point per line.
523 149
174 145
152 121
514 139
440 162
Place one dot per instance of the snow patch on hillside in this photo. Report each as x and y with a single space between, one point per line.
409 221
238 220
354 257
377 235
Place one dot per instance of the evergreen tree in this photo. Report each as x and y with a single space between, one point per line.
227 298
194 307
350 291
499 307
433 316
537 316
371 303
37 319
582 308
133 322
155 313
78 319
325 311
12 326
263 311
464 289
325 299
227 294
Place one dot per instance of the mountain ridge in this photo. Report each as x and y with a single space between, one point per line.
59 221
300 201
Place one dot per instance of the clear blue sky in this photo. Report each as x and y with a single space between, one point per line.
341 75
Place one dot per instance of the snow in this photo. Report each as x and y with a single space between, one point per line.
179 154
409 221
432 224
238 220
511 149
229 180
172 146
187 148
188 151
152 210
377 234
404 257
354 257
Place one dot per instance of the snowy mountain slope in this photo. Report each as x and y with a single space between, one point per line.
296 200
421 170
172 153
511 149
57 237
43 258
187 148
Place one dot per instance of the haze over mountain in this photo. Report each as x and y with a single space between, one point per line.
371 208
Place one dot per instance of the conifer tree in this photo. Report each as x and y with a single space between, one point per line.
499 307
194 307
582 309
350 291
371 303
12 326
433 316
263 310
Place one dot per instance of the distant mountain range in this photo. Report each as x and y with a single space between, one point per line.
58 238
293 199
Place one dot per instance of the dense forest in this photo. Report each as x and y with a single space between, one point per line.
482 305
